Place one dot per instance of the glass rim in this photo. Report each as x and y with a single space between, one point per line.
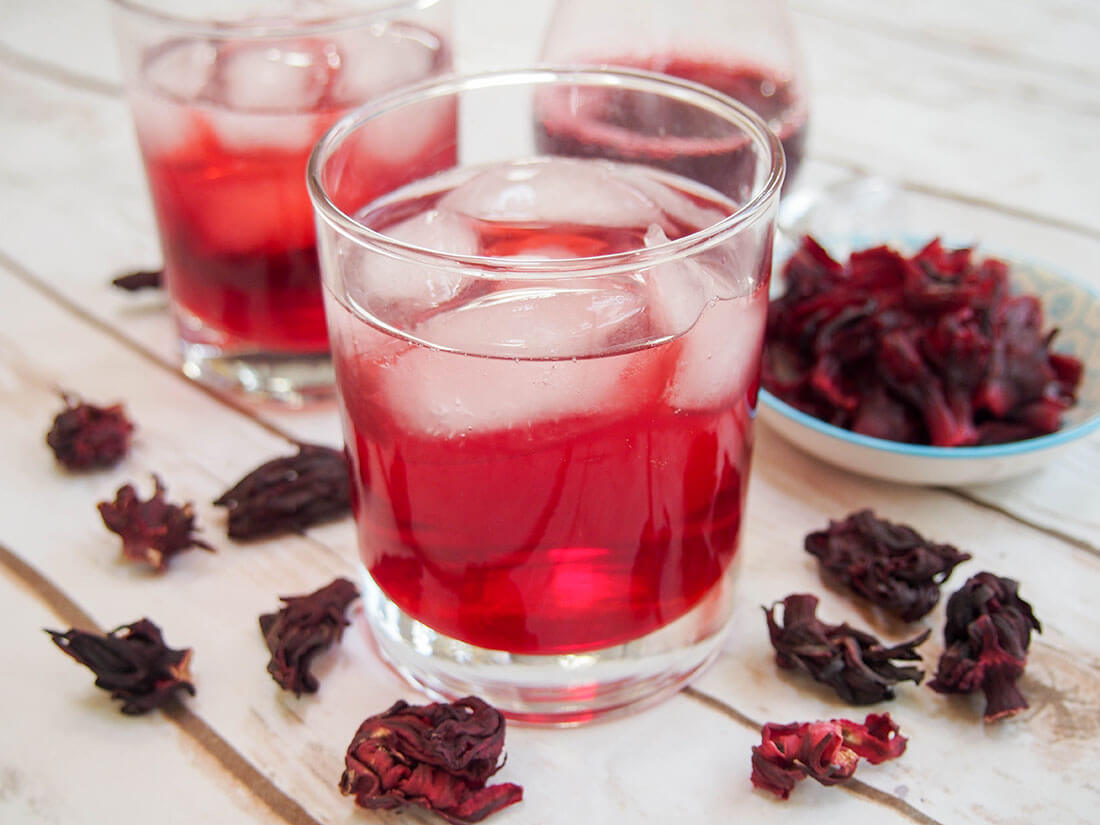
214 27
640 80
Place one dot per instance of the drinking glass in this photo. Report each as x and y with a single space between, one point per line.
743 48
228 98
547 367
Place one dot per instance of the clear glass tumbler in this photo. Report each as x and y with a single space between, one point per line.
547 368
744 48
228 98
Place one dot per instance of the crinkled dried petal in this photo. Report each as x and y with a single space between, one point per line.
987 635
436 756
289 494
929 349
854 663
139 280
152 531
86 437
888 564
303 628
826 751
132 662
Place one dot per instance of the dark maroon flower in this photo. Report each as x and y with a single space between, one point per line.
855 664
825 751
132 662
86 437
142 279
987 634
304 627
152 531
929 349
889 564
436 756
289 493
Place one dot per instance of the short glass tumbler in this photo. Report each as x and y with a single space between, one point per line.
229 97
547 367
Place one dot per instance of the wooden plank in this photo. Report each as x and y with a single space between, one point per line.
211 602
69 755
1055 36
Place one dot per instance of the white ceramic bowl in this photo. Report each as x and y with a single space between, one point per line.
1067 305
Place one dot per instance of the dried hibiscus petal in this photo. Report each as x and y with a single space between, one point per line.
825 751
988 632
142 279
302 628
929 349
289 493
132 662
85 437
855 664
889 564
152 531
436 756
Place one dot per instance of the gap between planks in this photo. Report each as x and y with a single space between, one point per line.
853 786
193 725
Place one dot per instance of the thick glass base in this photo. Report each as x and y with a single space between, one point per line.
568 689
286 378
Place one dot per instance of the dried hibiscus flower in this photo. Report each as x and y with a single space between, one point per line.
889 564
85 437
856 664
825 751
142 279
436 756
931 349
303 627
152 531
988 632
289 493
132 662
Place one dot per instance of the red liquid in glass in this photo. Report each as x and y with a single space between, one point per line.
235 219
555 506
637 128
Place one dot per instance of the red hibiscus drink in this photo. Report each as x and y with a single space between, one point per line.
547 369
227 110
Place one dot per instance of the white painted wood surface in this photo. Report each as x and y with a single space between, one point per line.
986 113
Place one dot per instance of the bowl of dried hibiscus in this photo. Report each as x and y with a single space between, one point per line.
940 366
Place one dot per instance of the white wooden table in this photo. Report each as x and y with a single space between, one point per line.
986 112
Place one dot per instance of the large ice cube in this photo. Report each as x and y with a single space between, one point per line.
678 289
448 394
553 191
266 96
173 79
376 60
720 356
283 76
398 291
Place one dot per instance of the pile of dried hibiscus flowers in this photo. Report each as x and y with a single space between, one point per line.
929 349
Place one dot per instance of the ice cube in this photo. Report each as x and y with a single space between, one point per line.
682 214
678 289
265 96
398 291
720 356
446 394
174 78
282 76
378 59
553 191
